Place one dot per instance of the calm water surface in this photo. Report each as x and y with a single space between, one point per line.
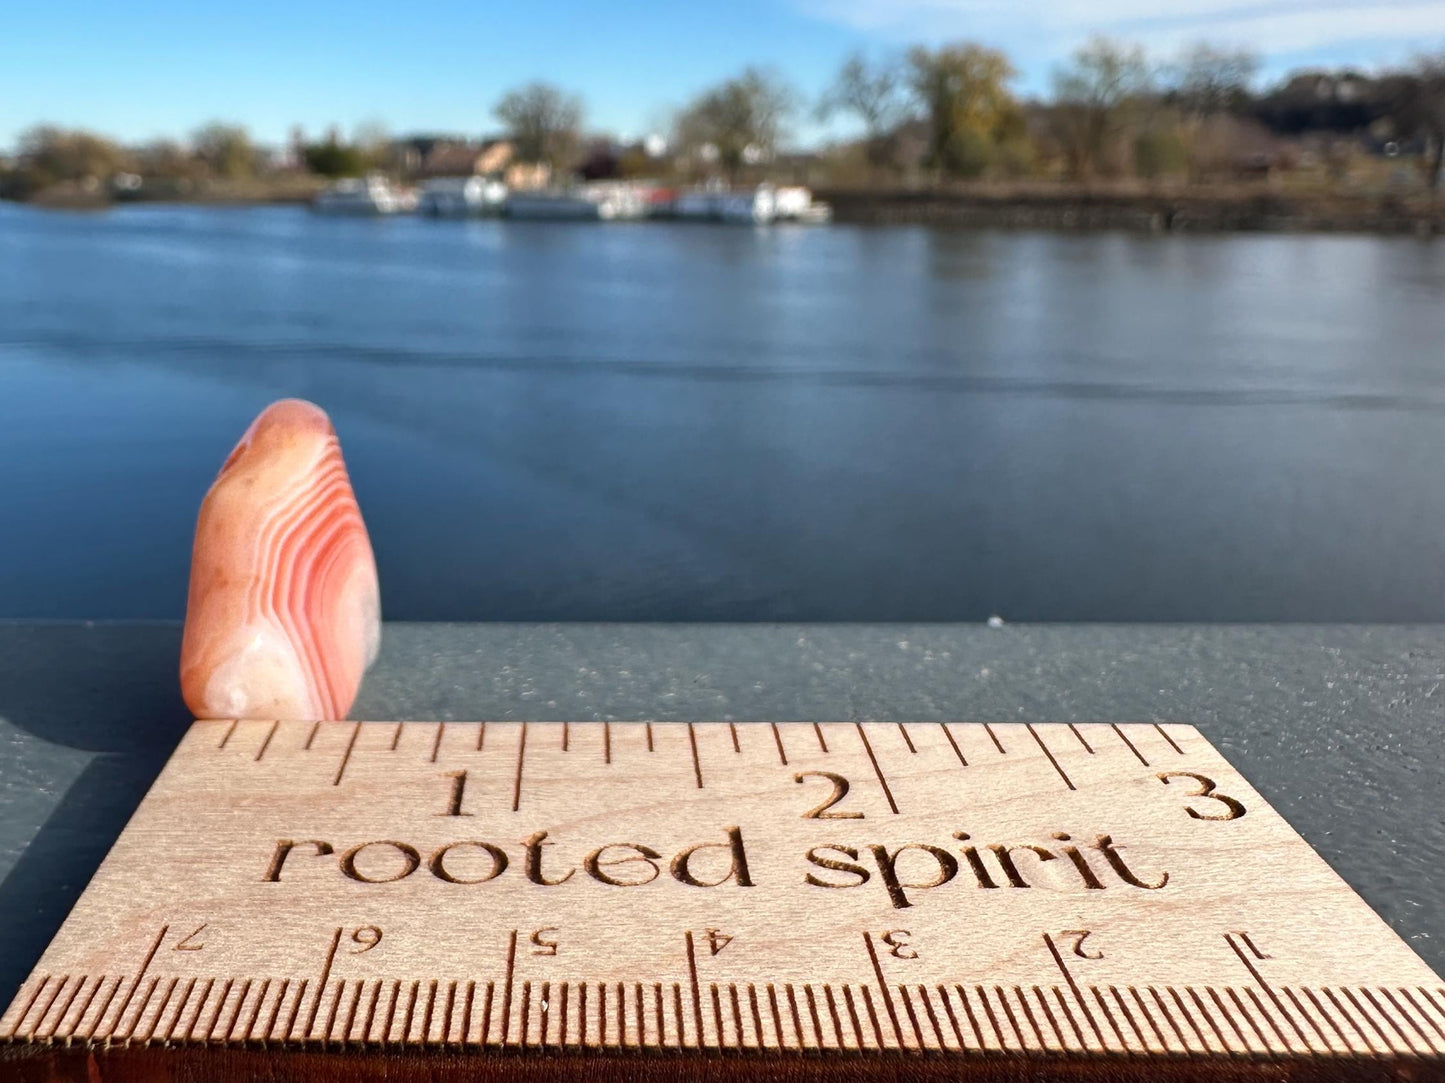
553 420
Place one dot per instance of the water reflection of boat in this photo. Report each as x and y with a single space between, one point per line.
369 195
600 200
461 197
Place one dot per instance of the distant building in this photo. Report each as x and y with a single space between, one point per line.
425 156
527 176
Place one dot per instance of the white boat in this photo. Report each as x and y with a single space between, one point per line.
369 195
461 197
600 200
795 203
748 205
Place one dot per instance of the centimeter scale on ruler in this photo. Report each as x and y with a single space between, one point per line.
1097 891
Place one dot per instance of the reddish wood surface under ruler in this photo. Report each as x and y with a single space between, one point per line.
1104 899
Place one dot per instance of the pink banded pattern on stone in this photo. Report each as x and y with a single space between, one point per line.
284 612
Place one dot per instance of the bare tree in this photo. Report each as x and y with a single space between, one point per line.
1209 79
1419 107
543 122
1095 100
742 120
875 94
1209 86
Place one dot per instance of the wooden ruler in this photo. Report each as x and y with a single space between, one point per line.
1087 893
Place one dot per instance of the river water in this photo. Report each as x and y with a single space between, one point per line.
648 421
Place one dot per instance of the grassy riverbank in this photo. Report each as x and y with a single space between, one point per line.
71 195
1133 207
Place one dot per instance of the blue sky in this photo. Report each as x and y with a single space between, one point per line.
141 69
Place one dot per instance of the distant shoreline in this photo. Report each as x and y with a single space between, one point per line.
1198 209
1035 205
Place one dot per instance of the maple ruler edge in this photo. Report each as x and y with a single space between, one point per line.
1096 891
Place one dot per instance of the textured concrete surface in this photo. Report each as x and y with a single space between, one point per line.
1340 727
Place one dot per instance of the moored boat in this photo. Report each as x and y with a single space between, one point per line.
461 197
794 203
598 201
369 195
761 204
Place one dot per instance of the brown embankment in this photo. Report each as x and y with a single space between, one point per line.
290 189
1158 210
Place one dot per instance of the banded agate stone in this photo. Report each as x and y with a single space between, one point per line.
284 612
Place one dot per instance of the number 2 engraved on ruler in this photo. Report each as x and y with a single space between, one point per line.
1079 936
186 945
1206 789
454 799
840 791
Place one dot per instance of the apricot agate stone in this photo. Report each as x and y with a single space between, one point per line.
284 613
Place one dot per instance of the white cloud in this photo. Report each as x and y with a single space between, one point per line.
1269 26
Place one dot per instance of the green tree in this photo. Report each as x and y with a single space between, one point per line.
742 120
226 149
334 159
543 122
1097 97
964 91
373 142
874 94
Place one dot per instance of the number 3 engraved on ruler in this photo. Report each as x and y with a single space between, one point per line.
1206 789
840 791
898 944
